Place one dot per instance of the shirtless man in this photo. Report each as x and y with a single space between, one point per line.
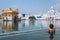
51 29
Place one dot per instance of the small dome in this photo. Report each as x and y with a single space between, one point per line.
52 8
17 9
9 8
2 10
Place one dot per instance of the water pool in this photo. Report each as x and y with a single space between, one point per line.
26 25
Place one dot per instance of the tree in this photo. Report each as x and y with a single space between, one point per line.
32 18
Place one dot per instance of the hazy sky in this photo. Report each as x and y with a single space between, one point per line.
30 6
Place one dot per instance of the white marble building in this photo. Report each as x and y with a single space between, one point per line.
52 13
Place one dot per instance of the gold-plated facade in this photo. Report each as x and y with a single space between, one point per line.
9 14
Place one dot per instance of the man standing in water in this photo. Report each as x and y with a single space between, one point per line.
51 31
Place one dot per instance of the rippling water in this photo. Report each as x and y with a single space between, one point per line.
26 25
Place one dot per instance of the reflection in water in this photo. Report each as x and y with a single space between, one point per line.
51 36
23 23
9 26
31 22
52 21
15 26
51 31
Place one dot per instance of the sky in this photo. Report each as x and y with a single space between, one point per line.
30 6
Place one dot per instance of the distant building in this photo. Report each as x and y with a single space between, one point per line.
9 14
26 16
